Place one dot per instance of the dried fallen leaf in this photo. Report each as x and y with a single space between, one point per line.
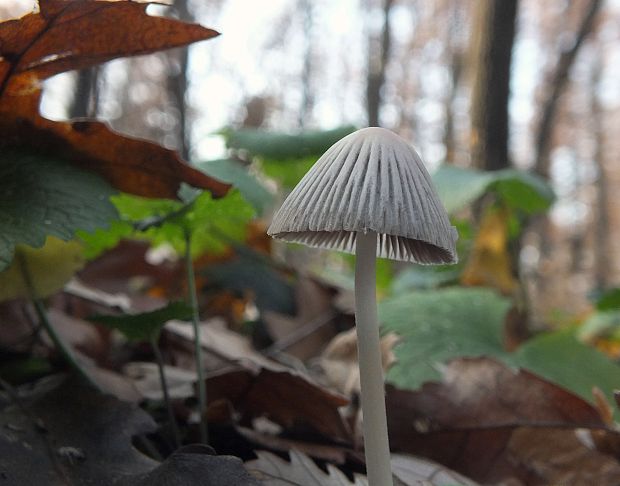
300 471
145 377
340 365
218 340
129 164
68 433
314 311
468 422
287 398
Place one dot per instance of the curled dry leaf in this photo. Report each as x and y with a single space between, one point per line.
225 345
304 335
339 360
145 377
300 471
474 421
66 35
289 399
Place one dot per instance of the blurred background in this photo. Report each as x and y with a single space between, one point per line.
489 85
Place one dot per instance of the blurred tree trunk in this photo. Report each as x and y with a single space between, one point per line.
86 96
557 85
378 56
455 59
177 82
307 102
558 82
602 221
491 55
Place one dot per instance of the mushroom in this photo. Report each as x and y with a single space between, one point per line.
371 195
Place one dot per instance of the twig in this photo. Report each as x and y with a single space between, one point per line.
164 386
300 333
193 299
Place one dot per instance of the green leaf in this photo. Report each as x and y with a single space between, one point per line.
248 273
436 326
458 188
600 324
288 173
424 277
610 300
559 357
43 196
100 240
213 223
147 325
284 146
523 190
236 174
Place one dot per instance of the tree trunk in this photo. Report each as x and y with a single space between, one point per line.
557 85
307 102
86 96
601 247
177 83
455 60
378 56
494 25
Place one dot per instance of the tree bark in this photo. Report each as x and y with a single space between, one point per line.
177 83
494 23
307 102
85 98
377 61
455 59
602 230
557 85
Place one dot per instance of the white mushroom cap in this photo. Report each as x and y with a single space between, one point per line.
371 180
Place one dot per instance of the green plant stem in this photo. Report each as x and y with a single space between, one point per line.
193 300
41 312
374 421
159 359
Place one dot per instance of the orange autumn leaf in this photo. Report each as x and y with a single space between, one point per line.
75 34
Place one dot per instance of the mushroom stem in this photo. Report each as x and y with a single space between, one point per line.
376 443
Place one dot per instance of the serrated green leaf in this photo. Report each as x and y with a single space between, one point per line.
213 223
43 196
284 146
100 240
436 326
236 174
459 187
147 325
